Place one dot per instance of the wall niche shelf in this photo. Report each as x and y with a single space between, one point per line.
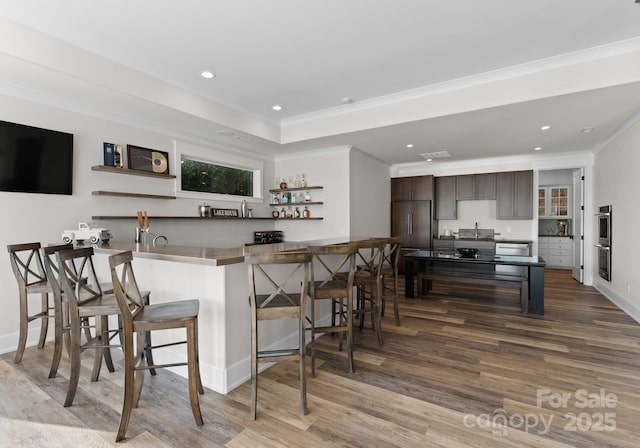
212 218
130 195
113 169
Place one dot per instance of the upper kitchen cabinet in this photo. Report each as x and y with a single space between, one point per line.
514 195
417 188
446 197
476 186
554 202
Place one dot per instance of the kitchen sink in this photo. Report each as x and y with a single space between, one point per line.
482 234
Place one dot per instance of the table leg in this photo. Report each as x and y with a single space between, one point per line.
408 278
536 290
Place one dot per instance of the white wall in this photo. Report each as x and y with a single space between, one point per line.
370 196
329 169
616 183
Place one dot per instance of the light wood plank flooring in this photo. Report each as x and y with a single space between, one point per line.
463 361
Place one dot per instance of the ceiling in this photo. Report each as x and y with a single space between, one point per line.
474 78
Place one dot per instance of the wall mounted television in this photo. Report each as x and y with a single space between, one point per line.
35 160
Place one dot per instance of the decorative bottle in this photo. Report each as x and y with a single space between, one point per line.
306 213
243 209
296 213
307 197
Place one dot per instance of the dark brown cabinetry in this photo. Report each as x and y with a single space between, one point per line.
476 186
418 188
446 197
412 221
514 195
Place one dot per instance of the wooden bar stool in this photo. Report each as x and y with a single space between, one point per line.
391 258
368 281
327 284
139 318
29 271
76 287
279 303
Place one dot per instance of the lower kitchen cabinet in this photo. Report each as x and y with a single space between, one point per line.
557 251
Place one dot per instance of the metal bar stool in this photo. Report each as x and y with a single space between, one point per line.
28 269
278 304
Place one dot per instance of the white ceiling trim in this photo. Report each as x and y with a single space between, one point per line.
621 68
542 65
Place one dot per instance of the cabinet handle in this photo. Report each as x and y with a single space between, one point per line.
409 224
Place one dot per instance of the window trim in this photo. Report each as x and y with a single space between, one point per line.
217 157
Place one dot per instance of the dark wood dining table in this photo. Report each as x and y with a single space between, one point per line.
534 268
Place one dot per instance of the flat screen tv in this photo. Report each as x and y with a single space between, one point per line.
35 160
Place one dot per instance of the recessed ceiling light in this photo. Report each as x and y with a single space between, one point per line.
538 148
429 160
546 127
586 130
207 74
410 145
276 107
347 100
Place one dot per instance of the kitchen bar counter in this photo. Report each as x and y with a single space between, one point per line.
218 279
210 256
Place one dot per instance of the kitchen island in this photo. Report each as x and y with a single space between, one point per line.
534 271
218 278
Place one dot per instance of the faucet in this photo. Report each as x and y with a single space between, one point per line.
477 231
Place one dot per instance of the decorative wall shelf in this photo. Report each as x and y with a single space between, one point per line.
113 169
296 204
278 190
208 219
130 195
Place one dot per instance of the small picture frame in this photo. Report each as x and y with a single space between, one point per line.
145 159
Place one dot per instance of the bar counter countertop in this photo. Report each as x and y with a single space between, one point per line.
208 255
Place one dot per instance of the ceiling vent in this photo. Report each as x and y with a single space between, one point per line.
436 155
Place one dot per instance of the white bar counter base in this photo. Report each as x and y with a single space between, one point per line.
218 278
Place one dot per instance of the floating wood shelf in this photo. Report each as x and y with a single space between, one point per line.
277 190
113 169
206 219
296 204
130 195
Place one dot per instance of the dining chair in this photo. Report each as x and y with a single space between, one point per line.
326 284
368 282
75 284
271 299
139 319
29 271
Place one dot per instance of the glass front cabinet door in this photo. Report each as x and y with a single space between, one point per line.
554 202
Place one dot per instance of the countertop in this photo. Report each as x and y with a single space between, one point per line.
209 255
495 240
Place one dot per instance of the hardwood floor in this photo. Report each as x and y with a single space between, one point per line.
463 359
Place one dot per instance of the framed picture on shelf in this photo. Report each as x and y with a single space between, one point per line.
145 159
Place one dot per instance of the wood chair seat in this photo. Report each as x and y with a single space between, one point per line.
139 319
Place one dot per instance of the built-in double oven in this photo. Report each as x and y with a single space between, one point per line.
604 241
